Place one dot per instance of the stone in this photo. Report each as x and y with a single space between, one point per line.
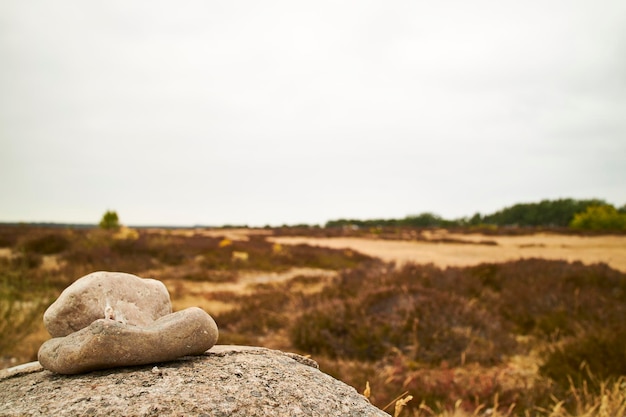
107 343
123 297
225 381
111 319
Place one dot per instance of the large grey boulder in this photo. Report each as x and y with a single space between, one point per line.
225 381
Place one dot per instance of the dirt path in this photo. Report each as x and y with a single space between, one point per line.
589 250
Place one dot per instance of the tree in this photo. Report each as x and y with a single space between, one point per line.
475 220
423 220
548 213
602 217
110 220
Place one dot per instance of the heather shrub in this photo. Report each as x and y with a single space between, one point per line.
552 298
264 256
9 235
340 330
48 244
25 260
257 314
426 328
104 256
369 317
597 355
150 248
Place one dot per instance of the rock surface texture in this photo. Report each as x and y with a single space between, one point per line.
110 319
225 381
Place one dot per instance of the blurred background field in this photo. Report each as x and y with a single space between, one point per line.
521 335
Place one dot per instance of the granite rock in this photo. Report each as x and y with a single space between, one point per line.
225 381
106 343
122 297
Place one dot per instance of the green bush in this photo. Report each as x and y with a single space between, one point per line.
545 213
110 220
600 217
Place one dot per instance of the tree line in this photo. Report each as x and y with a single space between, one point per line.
590 214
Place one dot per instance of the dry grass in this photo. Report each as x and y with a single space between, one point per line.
587 249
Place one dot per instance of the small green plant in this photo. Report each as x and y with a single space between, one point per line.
110 221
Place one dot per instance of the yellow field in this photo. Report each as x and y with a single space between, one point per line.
586 249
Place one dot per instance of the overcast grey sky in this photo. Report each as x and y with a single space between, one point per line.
206 112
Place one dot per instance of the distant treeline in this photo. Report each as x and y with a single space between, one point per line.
591 214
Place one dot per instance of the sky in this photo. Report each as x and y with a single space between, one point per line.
282 112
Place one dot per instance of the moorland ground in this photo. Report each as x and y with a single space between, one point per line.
443 248
511 322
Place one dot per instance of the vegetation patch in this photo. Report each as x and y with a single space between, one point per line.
530 337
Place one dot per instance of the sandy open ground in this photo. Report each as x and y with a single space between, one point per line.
587 249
